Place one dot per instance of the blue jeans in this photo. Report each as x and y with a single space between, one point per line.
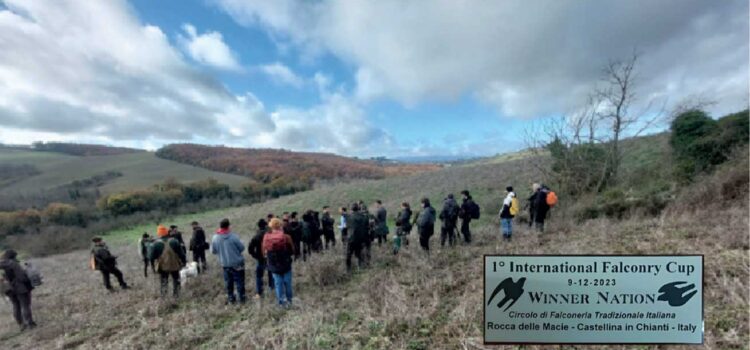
283 284
260 270
234 277
507 225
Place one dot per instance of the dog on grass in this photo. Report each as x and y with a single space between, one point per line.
189 271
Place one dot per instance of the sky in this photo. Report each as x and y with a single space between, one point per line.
359 78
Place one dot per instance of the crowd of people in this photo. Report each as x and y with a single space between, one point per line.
282 240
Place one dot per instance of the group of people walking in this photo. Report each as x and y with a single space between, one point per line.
281 240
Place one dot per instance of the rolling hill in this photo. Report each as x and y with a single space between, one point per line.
138 169
408 301
266 165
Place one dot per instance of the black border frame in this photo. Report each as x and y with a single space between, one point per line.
703 294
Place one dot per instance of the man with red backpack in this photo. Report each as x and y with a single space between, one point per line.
278 250
544 200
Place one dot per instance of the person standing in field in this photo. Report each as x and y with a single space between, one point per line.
327 222
403 227
106 263
531 203
308 234
294 230
256 251
381 222
507 212
143 244
229 248
541 208
466 212
170 258
199 245
357 227
426 224
343 226
449 217
278 250
16 285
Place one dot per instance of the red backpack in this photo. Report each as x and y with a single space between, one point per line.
551 198
275 242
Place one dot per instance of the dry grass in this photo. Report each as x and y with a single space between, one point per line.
401 302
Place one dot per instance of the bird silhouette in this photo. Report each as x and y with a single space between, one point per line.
674 295
513 291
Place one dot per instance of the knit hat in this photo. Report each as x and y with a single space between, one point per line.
161 231
509 188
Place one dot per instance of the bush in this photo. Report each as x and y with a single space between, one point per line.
700 143
21 221
64 214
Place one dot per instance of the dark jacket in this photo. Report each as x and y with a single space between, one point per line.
381 223
104 260
541 207
449 214
357 227
327 222
426 221
404 221
466 207
198 240
255 246
295 231
15 275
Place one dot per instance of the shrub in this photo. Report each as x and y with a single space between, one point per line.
700 143
64 214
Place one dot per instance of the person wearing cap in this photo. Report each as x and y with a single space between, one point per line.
167 252
16 285
506 218
227 245
198 246
106 263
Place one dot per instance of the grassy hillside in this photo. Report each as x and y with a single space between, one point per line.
141 169
402 302
267 165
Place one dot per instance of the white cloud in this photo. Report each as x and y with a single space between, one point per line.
209 49
336 125
528 58
66 74
281 74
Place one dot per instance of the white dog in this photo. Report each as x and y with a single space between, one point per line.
189 271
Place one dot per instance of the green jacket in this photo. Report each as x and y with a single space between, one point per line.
167 261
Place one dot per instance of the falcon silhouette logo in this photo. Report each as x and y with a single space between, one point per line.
676 296
513 291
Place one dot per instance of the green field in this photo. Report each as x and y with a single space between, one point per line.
139 170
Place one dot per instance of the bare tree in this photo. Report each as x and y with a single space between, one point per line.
599 126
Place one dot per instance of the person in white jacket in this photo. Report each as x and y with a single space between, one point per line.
506 218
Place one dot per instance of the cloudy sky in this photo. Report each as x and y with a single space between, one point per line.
365 78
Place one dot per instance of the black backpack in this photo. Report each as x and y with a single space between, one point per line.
475 211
